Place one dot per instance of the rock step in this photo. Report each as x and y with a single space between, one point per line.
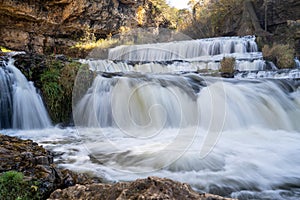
146 189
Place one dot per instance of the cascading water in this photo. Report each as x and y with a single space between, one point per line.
131 100
20 105
235 137
5 99
184 49
297 63
158 116
195 55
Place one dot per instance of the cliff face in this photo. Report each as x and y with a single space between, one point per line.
52 26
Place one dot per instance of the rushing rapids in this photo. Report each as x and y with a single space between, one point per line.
150 112
21 107
236 137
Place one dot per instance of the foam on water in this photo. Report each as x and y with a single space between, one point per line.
258 163
255 154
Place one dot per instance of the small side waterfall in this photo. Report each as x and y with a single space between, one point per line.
6 103
21 107
297 63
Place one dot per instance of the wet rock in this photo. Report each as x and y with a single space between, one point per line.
42 160
36 164
227 75
146 189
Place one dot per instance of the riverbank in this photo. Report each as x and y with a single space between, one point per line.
36 164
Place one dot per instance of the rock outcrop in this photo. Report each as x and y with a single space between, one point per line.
36 164
146 189
53 26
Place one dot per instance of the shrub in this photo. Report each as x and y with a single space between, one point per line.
13 186
227 65
281 55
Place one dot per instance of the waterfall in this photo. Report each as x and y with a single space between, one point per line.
152 90
126 101
297 63
150 110
161 101
192 56
184 49
21 106
212 63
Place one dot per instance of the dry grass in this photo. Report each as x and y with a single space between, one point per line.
102 43
4 50
281 55
227 65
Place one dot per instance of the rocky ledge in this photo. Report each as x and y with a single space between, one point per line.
146 189
36 164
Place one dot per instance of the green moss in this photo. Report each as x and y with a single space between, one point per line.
13 186
57 83
55 78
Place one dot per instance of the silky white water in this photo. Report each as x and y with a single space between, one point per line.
159 117
184 49
21 106
192 56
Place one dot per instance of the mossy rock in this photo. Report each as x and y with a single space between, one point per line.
57 88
